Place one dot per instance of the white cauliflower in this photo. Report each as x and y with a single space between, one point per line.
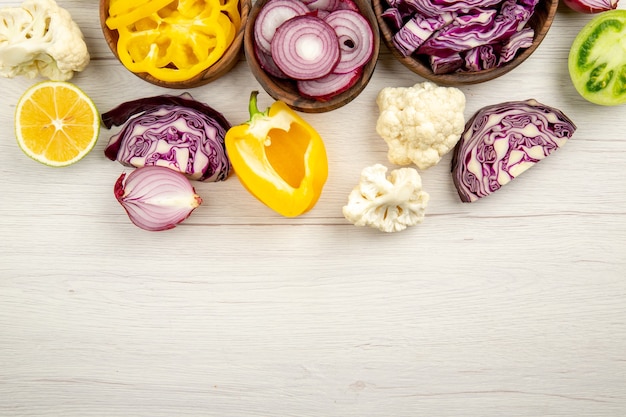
390 204
420 123
39 37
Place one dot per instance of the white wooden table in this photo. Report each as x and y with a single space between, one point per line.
511 306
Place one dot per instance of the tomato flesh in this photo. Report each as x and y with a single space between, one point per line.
597 59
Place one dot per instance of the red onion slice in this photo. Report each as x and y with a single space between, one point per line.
356 39
329 86
271 16
591 6
156 198
305 48
331 5
267 63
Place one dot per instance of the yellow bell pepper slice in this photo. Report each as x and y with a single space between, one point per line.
116 21
279 158
231 8
119 7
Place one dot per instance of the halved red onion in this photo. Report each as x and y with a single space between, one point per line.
271 16
156 198
329 86
356 39
305 48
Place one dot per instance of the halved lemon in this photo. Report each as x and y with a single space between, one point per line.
56 123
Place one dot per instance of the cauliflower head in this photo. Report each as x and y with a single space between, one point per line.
387 203
420 123
39 37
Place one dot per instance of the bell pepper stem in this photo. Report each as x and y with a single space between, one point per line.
253 107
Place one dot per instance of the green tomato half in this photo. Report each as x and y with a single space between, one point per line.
597 59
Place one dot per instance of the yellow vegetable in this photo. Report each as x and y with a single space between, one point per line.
279 158
173 41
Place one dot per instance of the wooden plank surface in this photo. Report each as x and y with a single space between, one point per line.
511 306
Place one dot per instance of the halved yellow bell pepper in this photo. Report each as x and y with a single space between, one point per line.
279 158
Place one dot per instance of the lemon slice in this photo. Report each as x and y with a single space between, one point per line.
56 123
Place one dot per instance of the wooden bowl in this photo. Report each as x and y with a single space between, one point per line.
219 68
540 22
286 91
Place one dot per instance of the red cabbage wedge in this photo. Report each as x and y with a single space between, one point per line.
176 132
503 140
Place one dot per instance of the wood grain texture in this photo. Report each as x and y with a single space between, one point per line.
511 306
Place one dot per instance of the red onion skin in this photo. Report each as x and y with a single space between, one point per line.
156 198
591 6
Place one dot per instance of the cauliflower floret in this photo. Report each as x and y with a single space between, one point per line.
40 38
421 123
390 204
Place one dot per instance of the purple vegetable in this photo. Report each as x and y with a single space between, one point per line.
172 131
305 48
267 63
393 17
502 141
331 5
468 27
480 58
323 45
520 40
591 6
469 31
446 64
433 8
156 198
271 16
356 39
326 87
415 32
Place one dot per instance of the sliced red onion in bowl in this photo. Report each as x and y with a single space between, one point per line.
271 16
356 39
305 48
156 198
329 86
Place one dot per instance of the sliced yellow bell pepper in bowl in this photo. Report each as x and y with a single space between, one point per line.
179 44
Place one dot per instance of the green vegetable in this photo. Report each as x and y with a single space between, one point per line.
597 59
